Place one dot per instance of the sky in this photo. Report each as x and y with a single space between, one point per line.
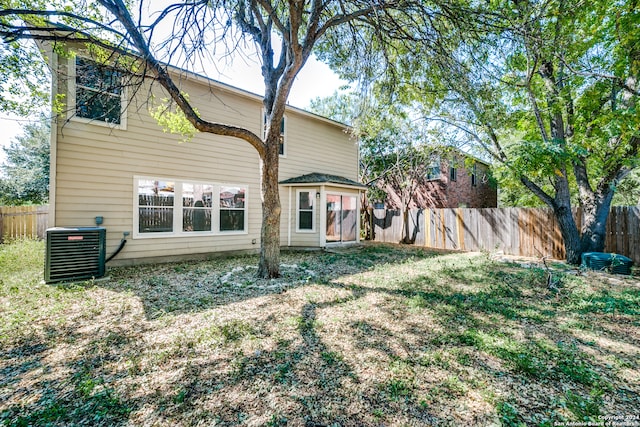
315 80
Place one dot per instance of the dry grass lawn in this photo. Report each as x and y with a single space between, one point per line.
374 336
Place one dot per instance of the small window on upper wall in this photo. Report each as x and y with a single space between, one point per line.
453 172
474 175
433 171
98 92
281 148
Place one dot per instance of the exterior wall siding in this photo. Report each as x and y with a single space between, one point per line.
96 166
299 238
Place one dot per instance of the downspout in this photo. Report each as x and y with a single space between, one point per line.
289 220
359 217
53 138
322 227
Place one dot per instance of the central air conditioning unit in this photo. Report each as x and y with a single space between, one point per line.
614 263
75 253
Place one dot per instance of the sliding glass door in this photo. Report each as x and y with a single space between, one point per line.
342 218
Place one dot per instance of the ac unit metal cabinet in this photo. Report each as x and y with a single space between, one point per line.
618 264
75 253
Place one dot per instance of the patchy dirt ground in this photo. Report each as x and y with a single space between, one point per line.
379 335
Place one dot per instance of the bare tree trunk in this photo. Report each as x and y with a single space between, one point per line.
405 225
269 265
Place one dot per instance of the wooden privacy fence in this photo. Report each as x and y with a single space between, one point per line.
532 232
21 222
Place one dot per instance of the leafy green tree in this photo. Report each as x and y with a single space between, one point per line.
29 93
26 169
548 89
283 33
396 151
628 190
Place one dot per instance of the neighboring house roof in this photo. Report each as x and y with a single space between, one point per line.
322 178
474 158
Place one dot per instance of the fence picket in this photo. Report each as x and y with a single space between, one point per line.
23 222
530 232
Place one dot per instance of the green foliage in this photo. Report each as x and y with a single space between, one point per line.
509 416
628 190
586 408
395 149
172 119
547 89
26 170
24 78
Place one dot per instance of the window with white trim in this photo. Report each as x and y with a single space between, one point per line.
305 208
156 200
453 171
282 147
433 170
232 211
98 92
166 208
196 207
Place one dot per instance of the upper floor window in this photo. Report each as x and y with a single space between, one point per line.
453 172
98 92
433 171
474 175
281 148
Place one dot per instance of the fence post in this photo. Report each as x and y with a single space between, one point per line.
460 226
427 227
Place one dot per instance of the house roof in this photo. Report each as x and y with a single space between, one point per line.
203 79
210 82
322 178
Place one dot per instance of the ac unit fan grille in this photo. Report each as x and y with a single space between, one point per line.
75 253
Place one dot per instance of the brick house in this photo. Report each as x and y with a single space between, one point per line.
453 181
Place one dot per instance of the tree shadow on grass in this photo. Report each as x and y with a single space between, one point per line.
242 370
515 322
191 287
42 389
302 382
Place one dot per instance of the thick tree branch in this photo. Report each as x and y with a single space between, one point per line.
119 10
538 191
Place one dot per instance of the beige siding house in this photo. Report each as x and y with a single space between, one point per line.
113 165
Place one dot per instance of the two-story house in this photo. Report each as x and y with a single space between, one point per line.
113 165
456 180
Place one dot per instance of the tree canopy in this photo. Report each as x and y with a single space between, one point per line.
145 37
26 169
548 89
